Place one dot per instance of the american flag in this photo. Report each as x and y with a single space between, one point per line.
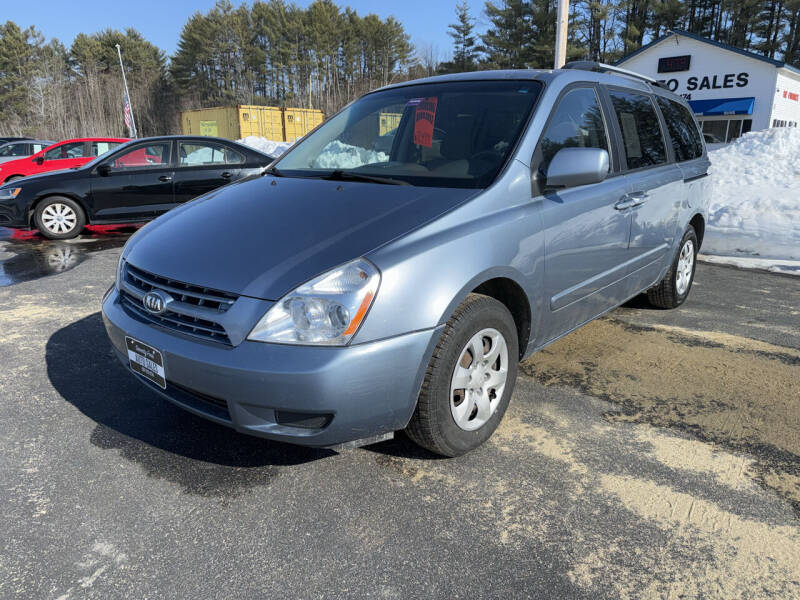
127 114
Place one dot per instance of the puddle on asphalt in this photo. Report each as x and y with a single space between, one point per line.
740 393
26 255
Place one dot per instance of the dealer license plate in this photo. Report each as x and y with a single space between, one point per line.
146 361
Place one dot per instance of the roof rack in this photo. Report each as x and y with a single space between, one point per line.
598 67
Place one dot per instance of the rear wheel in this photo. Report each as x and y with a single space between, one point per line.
59 218
469 380
13 178
673 290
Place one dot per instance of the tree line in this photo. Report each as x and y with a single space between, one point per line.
521 33
272 52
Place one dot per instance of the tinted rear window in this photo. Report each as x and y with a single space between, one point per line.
682 130
641 132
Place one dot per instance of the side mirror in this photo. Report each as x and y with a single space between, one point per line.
572 167
40 159
104 169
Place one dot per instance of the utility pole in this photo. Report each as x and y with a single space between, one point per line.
129 106
562 20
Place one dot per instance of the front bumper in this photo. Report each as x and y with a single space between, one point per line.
355 391
13 214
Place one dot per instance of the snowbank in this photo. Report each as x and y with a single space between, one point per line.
337 155
755 203
274 149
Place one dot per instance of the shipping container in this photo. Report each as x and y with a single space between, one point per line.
388 122
299 121
236 122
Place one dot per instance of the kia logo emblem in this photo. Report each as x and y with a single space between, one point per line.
155 301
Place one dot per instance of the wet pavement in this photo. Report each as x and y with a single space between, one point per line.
26 255
651 454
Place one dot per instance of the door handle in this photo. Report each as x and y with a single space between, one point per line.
638 197
625 203
165 178
227 175
630 200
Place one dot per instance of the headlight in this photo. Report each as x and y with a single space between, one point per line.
9 193
325 311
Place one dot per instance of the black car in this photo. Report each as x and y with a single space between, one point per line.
136 181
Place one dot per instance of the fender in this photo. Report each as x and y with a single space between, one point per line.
427 273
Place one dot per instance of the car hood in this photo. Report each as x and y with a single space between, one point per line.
38 177
264 237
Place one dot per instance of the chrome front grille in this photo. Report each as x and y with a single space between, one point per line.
193 309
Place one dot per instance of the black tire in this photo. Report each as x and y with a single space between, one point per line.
13 178
52 233
665 293
433 426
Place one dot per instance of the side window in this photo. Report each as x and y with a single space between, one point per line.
682 130
38 148
100 148
7 150
143 156
64 151
577 122
17 150
199 154
641 132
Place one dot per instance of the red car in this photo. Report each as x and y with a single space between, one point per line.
63 155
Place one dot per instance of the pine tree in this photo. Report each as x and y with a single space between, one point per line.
18 53
465 51
509 41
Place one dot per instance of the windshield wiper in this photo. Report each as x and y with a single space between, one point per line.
339 175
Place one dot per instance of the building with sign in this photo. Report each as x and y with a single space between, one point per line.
731 91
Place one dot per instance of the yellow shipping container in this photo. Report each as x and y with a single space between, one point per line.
263 121
388 122
299 121
236 122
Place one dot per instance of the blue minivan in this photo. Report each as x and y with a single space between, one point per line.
390 271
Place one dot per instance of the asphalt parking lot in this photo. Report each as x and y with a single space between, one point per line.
650 454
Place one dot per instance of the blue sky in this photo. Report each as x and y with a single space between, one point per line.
160 21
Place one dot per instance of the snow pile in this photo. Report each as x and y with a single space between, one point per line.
262 144
337 155
203 155
755 202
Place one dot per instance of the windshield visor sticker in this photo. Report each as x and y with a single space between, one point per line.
424 117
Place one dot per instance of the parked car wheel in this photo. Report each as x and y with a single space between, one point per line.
673 290
59 218
469 380
13 178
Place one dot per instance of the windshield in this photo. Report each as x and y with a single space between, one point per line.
454 134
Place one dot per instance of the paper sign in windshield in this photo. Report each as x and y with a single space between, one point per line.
424 117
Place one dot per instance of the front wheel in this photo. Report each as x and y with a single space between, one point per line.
673 290
59 218
469 380
13 178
